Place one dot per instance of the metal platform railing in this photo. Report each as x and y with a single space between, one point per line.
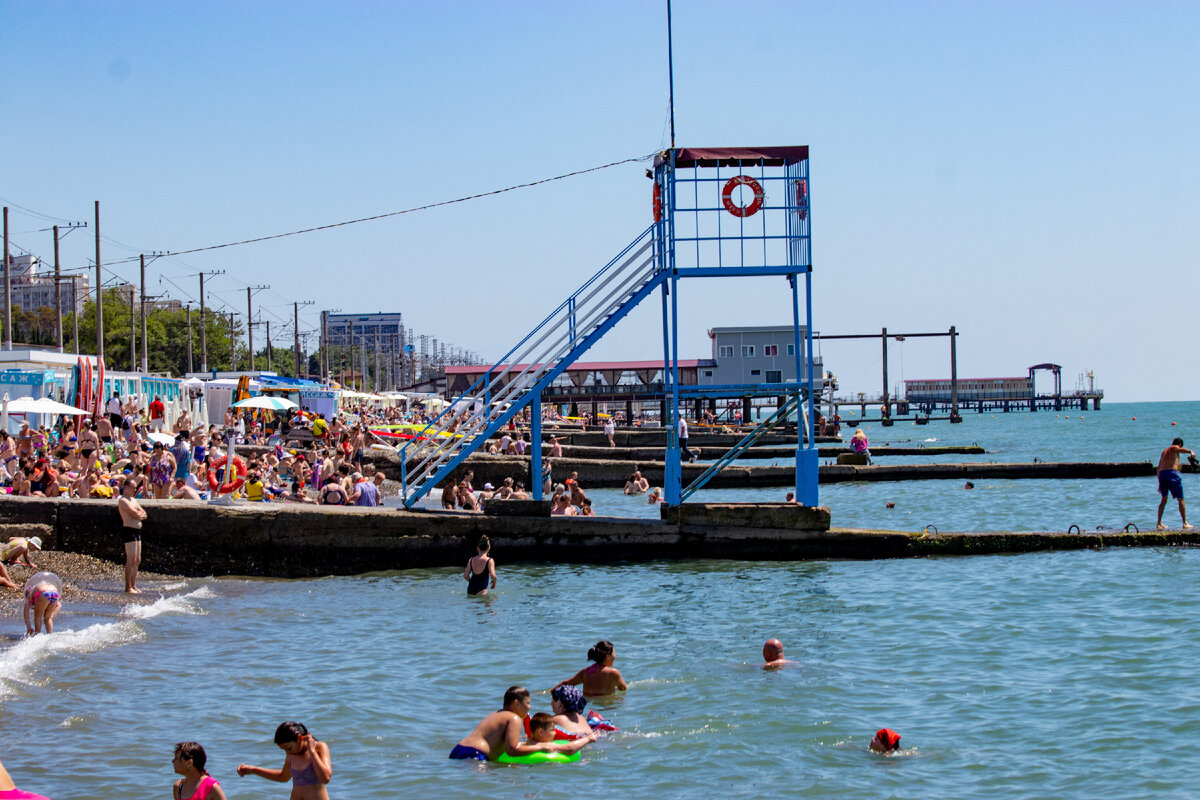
530 366
765 426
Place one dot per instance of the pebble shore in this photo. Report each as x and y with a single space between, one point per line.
85 579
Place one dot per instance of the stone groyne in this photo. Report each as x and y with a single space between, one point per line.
291 541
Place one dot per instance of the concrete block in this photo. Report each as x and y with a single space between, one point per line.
517 508
852 459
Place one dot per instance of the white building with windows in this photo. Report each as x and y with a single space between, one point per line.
758 354
33 286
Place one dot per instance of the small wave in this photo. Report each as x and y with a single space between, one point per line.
177 604
934 439
18 663
173 586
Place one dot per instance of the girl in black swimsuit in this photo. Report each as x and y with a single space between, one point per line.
477 581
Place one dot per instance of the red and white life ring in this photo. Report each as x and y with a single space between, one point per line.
239 473
657 203
746 210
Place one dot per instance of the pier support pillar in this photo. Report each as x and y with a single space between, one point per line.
807 465
535 461
629 412
746 411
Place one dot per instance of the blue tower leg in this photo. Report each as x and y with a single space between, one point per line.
535 434
807 464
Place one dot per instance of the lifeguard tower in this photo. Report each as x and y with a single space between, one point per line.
723 212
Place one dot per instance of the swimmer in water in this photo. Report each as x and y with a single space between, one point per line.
196 783
480 567
500 732
307 764
43 594
600 677
773 655
886 741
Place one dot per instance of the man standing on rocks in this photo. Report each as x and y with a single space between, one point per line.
132 516
1169 482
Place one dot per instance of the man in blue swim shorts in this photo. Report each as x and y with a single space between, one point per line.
500 732
1169 482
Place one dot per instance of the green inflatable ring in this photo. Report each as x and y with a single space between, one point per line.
539 758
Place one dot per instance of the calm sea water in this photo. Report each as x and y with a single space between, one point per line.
1036 675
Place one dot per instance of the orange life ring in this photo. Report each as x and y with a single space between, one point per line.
747 210
802 197
657 202
238 469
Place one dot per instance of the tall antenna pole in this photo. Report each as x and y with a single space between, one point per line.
58 289
671 73
99 292
145 347
8 337
189 324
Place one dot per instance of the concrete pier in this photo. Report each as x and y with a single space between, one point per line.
607 474
289 541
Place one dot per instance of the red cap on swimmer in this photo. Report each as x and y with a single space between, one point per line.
888 738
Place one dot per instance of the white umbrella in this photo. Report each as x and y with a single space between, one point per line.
267 402
43 405
4 414
165 439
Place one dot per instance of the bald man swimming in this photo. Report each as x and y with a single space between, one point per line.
773 655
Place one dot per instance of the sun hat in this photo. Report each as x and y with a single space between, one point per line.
35 542
570 696
487 487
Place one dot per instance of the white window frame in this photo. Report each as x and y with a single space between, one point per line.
747 351
791 349
725 351
770 350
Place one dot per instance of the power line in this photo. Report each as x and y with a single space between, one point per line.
398 213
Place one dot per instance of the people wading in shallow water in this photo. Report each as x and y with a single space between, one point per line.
307 763
600 677
480 567
196 783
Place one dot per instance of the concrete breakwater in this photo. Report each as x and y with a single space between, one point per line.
758 453
596 473
287 541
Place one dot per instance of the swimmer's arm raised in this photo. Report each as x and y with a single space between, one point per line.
321 760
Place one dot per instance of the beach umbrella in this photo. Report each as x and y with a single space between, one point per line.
43 405
165 439
4 414
264 401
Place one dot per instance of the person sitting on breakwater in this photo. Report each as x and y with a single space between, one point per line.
480 567
886 741
182 491
43 593
332 493
450 497
859 444
1169 482
600 677
773 655
636 484
500 732
307 764
196 783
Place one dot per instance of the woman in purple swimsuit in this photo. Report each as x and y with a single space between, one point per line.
307 763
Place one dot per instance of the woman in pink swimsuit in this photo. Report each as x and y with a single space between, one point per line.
600 677
196 783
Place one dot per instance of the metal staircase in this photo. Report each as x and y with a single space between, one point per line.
765 426
528 368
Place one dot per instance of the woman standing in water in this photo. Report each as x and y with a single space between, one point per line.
196 783
600 677
480 567
307 763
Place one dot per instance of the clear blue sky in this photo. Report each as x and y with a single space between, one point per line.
1027 171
